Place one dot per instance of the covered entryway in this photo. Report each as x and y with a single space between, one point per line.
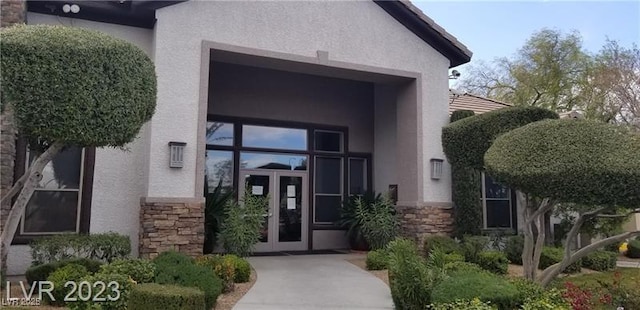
286 223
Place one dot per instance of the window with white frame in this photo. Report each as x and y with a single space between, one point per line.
55 204
496 204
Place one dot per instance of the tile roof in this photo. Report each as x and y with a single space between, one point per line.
474 103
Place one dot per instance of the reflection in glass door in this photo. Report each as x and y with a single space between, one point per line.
287 217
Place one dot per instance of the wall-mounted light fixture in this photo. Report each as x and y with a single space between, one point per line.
73 8
436 168
176 154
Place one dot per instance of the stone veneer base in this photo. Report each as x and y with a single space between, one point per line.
171 224
419 221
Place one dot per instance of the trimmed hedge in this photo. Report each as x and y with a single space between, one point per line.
514 248
78 86
454 267
472 246
633 249
474 304
153 296
465 190
222 266
178 269
42 272
551 255
377 260
444 243
104 247
243 269
600 260
122 292
466 141
482 285
577 161
493 261
139 270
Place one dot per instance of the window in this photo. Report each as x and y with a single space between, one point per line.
273 161
328 189
357 176
219 169
274 137
56 203
219 133
496 204
328 141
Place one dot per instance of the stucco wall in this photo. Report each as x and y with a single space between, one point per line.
354 32
119 176
384 159
271 94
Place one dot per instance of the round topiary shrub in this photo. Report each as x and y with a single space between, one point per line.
139 270
171 258
454 267
42 272
77 86
243 268
577 161
71 272
633 249
114 296
377 260
493 261
153 296
191 275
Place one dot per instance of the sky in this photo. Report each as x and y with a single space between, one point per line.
498 29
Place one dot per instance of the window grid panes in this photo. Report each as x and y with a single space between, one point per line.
328 191
219 169
54 206
357 176
328 141
496 204
219 133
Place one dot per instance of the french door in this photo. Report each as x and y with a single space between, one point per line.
287 219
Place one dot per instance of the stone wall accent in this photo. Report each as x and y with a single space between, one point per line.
419 221
12 12
171 224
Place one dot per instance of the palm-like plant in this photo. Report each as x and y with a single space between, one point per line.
214 214
369 220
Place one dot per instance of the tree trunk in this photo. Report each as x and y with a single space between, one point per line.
35 175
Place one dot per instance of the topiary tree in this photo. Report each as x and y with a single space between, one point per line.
465 141
574 161
70 87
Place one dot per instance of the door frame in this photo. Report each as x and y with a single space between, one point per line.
273 216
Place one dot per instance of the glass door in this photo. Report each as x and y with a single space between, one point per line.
286 220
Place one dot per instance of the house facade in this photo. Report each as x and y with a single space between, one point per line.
302 102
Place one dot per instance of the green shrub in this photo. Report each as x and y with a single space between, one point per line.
474 304
482 285
551 255
493 261
444 243
139 270
116 294
454 267
191 275
453 257
103 247
410 280
170 259
379 224
600 260
74 85
467 140
472 246
527 289
42 272
243 268
70 272
514 248
633 249
223 266
240 231
153 296
547 300
377 260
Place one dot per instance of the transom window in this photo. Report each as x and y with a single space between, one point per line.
274 137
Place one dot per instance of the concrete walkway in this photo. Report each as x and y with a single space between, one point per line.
313 282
